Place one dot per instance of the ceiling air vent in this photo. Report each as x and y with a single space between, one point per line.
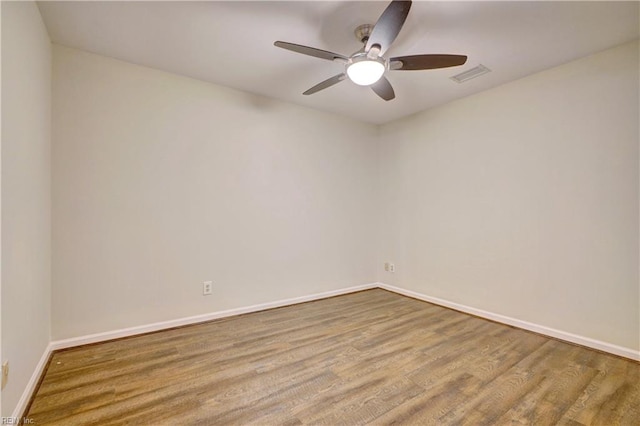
469 74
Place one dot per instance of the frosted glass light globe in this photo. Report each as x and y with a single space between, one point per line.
365 72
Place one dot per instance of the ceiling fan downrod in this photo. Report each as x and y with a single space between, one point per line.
363 32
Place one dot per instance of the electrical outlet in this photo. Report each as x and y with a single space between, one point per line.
207 288
5 374
386 266
392 267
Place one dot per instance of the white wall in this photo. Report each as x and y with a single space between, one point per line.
1 357
162 182
26 194
523 200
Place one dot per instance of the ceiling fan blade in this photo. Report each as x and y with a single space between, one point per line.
327 83
389 25
426 62
311 51
383 89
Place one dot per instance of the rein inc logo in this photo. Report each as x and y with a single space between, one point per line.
17 421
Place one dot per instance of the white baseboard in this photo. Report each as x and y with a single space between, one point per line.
132 331
547 331
20 408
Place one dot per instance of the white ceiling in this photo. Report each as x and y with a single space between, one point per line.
231 43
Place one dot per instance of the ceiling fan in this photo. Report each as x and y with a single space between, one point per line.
367 66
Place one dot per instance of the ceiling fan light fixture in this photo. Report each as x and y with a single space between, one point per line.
365 71
367 66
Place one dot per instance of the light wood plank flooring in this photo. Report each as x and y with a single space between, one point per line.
372 357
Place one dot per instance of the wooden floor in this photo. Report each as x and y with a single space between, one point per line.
372 357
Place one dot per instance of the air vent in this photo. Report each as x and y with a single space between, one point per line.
469 74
